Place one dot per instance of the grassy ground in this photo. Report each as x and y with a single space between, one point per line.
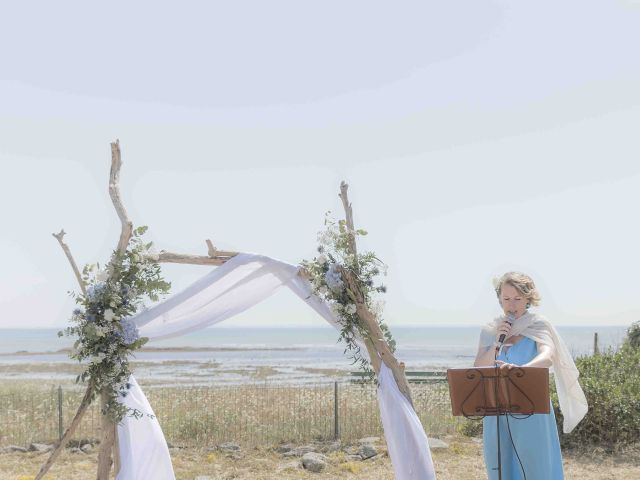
463 460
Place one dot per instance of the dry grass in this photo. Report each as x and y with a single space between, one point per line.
462 461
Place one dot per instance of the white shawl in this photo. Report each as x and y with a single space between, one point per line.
573 403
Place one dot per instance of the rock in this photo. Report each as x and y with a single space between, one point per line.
367 451
353 458
75 450
14 448
229 447
283 448
435 443
82 441
351 450
314 462
369 440
40 447
299 451
86 448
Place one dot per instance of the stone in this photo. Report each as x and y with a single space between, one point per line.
353 458
14 448
229 447
75 450
351 450
86 448
435 443
40 447
314 462
283 448
82 441
299 451
367 451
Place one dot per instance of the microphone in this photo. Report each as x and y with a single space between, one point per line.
510 319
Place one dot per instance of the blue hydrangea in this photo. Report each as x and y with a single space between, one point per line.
333 278
95 291
129 331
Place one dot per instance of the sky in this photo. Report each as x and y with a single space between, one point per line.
476 137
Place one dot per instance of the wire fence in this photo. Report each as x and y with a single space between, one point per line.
252 415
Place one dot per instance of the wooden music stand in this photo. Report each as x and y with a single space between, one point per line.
490 391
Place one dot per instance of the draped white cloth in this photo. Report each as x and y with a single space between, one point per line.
573 402
144 453
244 281
406 440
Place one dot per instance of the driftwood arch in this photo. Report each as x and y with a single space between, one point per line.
108 455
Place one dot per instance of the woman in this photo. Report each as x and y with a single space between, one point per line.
530 444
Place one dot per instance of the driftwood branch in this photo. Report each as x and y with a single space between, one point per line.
376 340
74 265
348 211
107 442
114 193
86 401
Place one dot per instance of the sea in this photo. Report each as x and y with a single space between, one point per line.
230 355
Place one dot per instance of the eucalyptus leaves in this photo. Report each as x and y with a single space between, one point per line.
327 279
105 334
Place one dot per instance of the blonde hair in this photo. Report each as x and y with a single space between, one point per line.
522 283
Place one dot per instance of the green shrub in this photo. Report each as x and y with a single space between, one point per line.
471 428
611 383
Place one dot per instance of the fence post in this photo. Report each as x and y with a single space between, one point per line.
60 430
336 426
596 351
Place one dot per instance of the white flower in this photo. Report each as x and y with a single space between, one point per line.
109 315
153 254
322 259
323 290
102 276
336 308
351 309
98 357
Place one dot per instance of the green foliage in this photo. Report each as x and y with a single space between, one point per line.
470 427
611 383
633 336
105 335
327 278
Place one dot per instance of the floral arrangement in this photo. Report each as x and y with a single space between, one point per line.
105 334
326 272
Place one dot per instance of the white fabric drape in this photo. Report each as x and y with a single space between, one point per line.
144 453
573 403
244 281
406 440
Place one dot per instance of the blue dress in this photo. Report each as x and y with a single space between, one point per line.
535 438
